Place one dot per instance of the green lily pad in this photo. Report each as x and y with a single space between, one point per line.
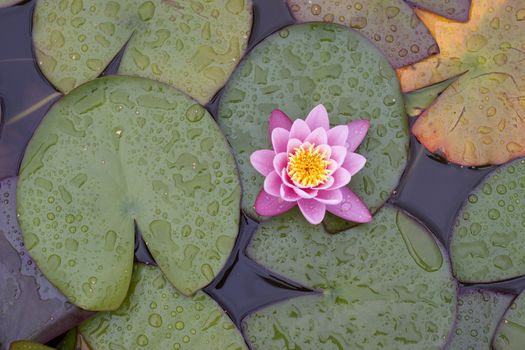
489 238
479 312
391 25
457 10
193 45
7 3
119 150
478 120
511 331
307 64
28 345
155 316
383 285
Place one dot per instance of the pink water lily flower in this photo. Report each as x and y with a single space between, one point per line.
310 165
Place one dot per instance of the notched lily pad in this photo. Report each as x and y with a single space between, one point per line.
156 316
391 25
457 10
193 45
384 285
479 312
511 331
119 150
489 237
478 120
307 64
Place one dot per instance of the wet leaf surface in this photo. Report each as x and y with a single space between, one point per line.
156 316
488 240
193 45
23 289
391 25
416 102
478 120
479 312
510 334
119 150
302 66
382 285
457 10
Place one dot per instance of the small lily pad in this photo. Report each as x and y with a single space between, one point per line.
156 316
383 285
391 25
119 150
489 238
300 67
479 312
511 331
457 10
193 45
478 120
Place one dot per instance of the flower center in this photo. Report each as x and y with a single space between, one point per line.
308 166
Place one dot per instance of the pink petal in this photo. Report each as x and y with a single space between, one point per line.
288 194
262 161
292 145
318 118
350 208
317 137
354 162
338 154
312 210
305 192
299 130
341 178
329 197
337 136
356 133
268 205
286 179
272 184
278 119
280 139
280 162
327 184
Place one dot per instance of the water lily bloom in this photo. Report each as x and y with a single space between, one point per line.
311 165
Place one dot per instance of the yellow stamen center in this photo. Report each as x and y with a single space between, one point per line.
308 166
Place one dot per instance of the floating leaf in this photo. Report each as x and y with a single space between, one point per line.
479 312
193 45
457 10
419 100
511 331
302 66
28 345
119 150
478 120
391 25
489 238
155 316
23 289
384 285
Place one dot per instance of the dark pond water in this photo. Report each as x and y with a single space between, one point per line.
430 190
